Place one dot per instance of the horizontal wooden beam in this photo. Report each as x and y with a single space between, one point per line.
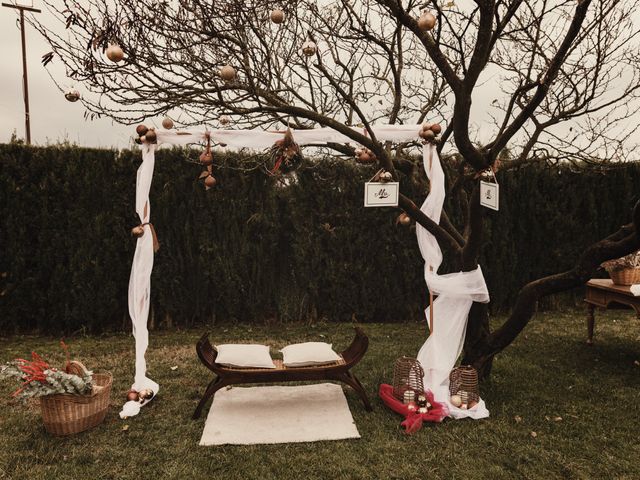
21 7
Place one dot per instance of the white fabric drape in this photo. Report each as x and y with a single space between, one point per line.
456 293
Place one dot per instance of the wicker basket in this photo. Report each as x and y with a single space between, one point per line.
463 381
628 276
66 414
407 379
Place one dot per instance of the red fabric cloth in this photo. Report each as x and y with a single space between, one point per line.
413 419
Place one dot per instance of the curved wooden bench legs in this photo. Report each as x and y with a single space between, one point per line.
351 380
215 385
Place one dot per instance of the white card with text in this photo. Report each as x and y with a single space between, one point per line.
378 194
490 195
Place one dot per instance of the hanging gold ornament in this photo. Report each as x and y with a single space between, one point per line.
115 53
436 128
385 177
137 231
141 129
167 123
309 48
228 73
427 21
72 95
277 16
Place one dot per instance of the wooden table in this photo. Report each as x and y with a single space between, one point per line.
603 293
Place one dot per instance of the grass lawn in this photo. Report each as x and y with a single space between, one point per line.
548 372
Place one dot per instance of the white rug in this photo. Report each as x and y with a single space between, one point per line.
307 413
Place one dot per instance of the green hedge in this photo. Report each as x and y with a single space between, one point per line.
254 250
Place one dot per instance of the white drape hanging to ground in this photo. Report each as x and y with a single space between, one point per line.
456 293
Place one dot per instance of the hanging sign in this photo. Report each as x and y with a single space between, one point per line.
381 194
489 195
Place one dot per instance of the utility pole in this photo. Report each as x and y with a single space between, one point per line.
25 81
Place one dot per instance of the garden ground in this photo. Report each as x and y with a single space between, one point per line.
581 402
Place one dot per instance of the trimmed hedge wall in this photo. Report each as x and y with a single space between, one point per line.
254 250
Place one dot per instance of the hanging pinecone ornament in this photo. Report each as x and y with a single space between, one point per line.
365 156
115 53
228 73
284 156
309 48
224 120
167 123
72 95
277 16
426 21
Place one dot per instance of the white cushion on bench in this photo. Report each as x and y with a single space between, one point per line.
309 353
247 356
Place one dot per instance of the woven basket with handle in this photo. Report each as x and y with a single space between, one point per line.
628 276
66 414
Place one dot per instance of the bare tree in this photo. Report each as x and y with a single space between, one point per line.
566 76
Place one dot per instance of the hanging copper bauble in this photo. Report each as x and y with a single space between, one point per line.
436 128
72 95
210 181
167 123
137 231
206 158
115 53
404 219
132 396
309 48
428 135
227 73
277 16
141 129
151 136
427 21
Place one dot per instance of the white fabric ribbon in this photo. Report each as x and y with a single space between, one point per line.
456 293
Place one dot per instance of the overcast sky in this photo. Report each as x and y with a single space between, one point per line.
54 119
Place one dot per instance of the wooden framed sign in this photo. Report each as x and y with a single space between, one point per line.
490 195
379 194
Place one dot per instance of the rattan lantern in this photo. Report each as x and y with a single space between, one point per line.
463 386
407 379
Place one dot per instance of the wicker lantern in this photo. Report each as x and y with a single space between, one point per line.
463 383
407 379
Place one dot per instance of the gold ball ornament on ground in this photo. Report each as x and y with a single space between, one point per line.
277 16
132 396
309 48
167 123
456 400
115 53
228 73
427 21
72 95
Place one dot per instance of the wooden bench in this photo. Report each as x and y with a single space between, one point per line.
338 371
604 293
